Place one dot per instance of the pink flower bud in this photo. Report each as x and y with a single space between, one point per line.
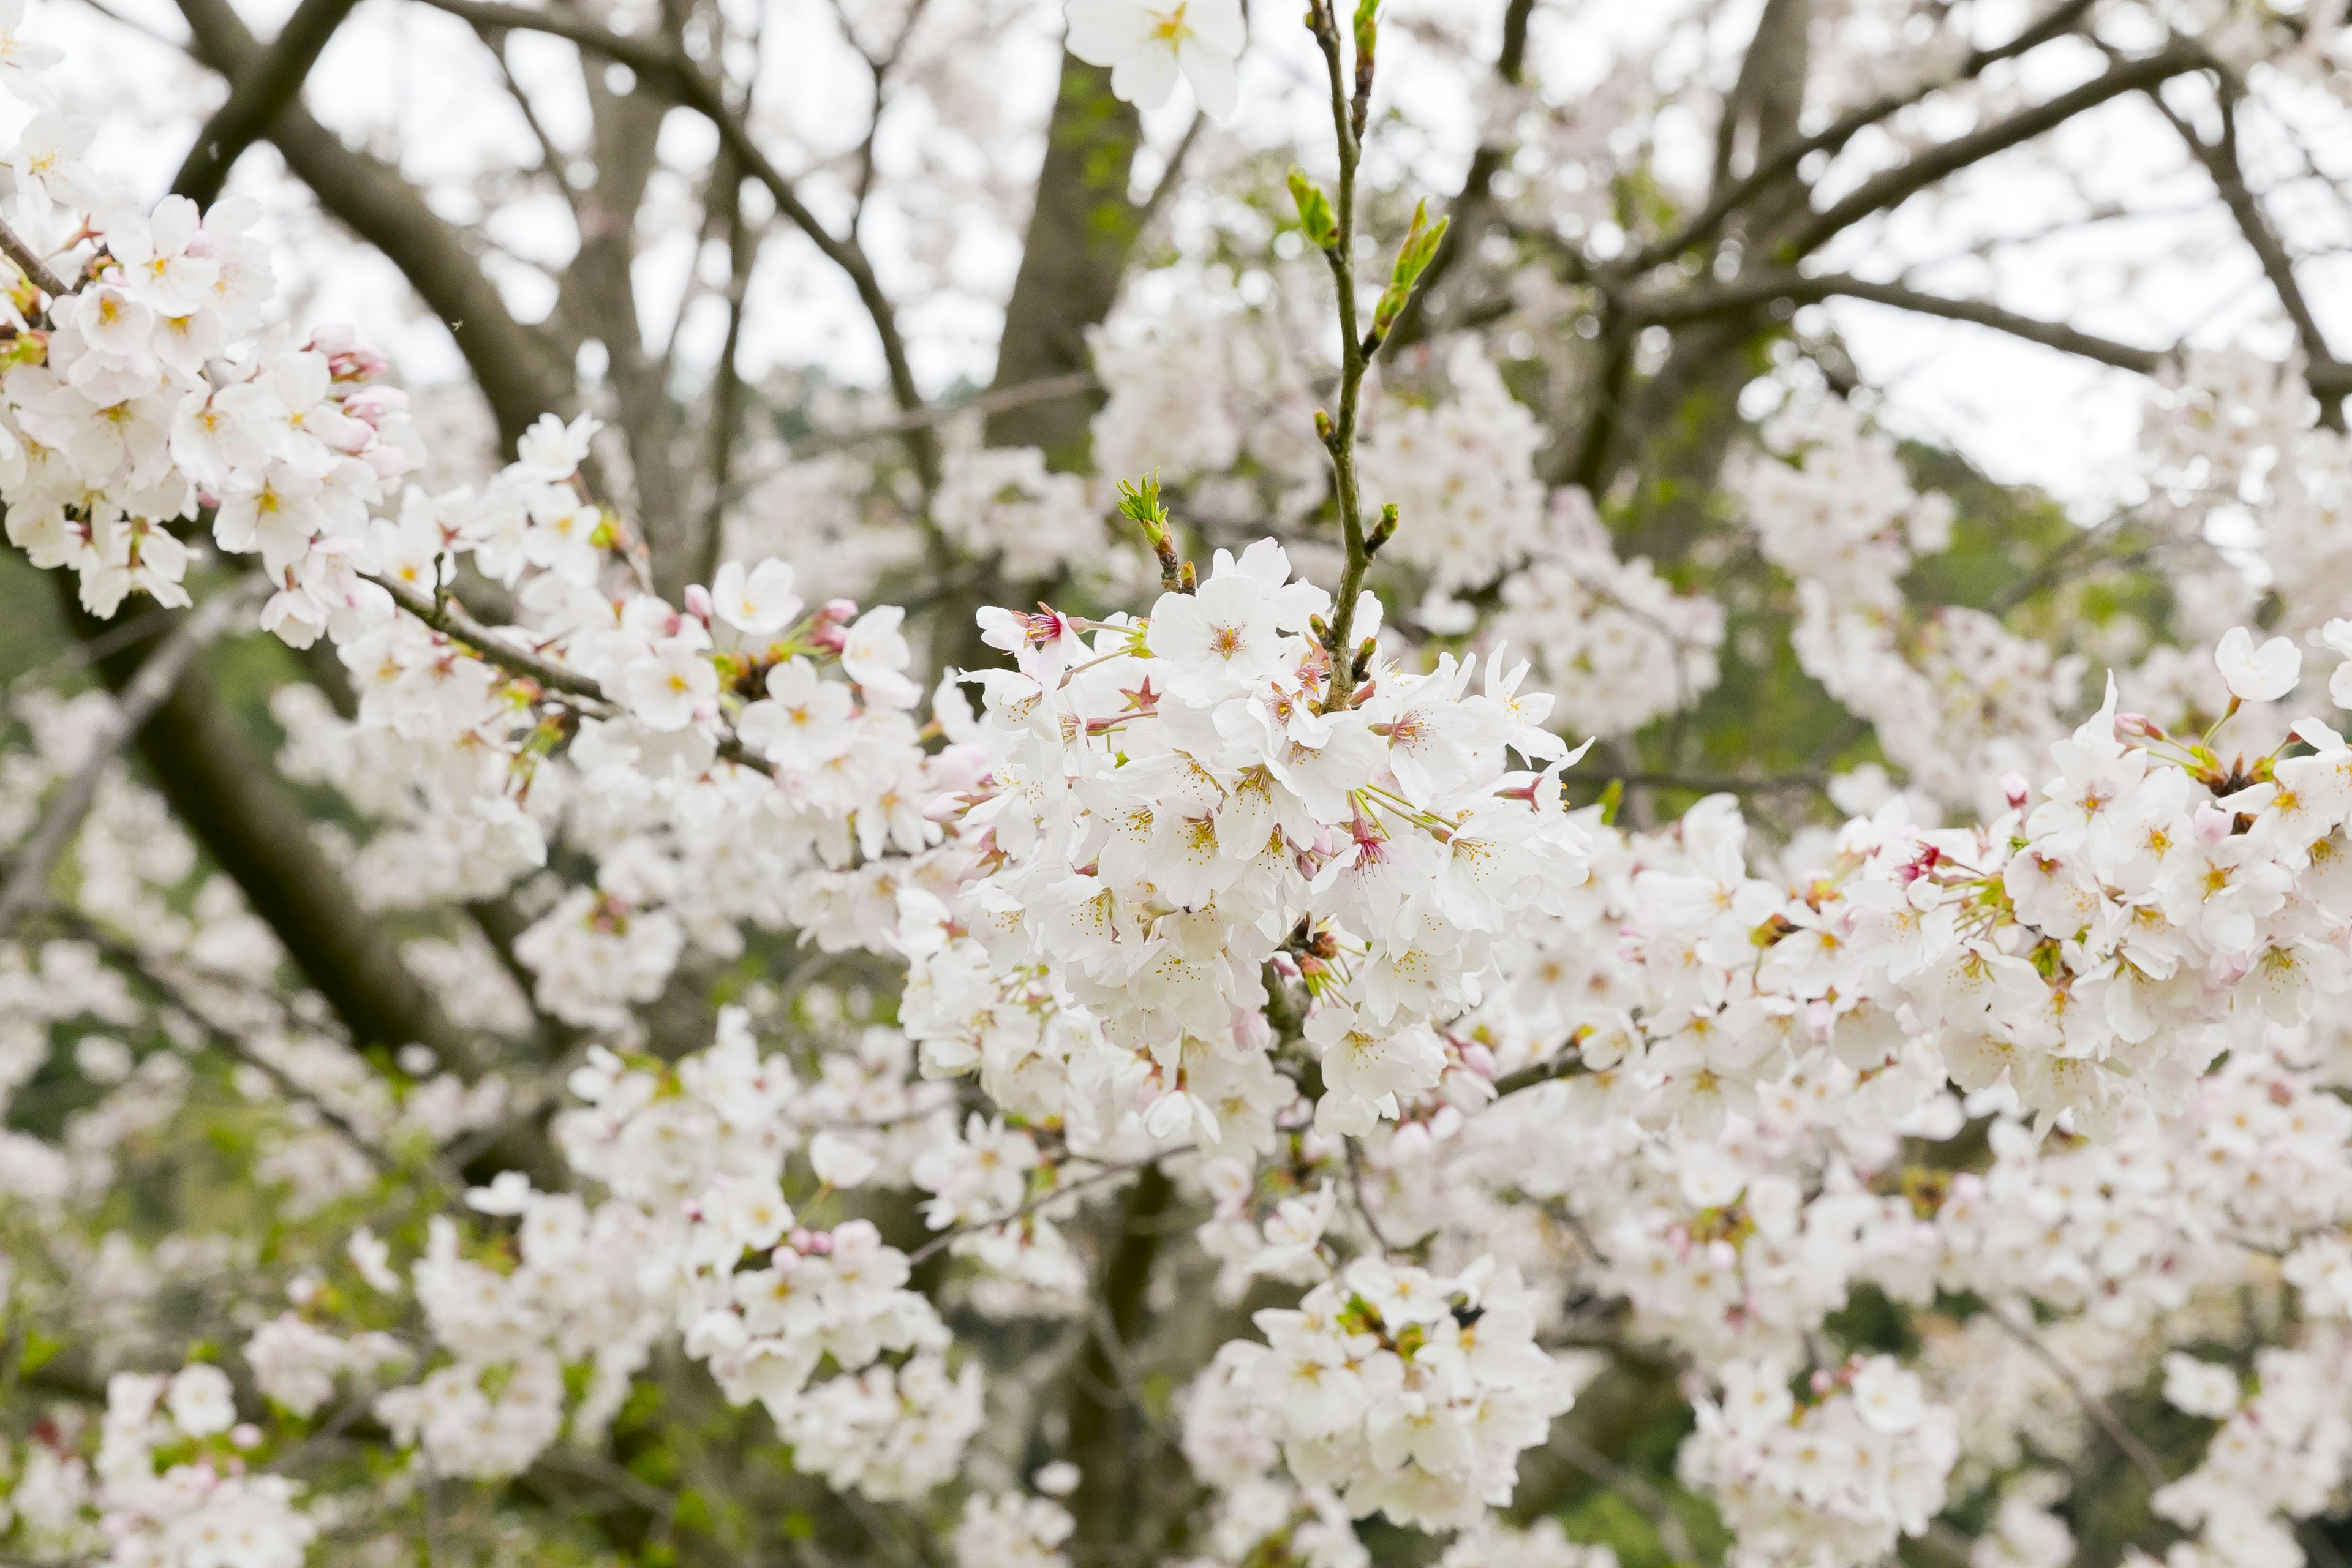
840 610
697 602
2014 789
2210 824
1478 1060
802 1239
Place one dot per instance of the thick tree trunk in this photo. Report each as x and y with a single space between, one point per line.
1080 233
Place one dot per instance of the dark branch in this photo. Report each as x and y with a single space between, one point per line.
518 374
2222 162
1898 184
660 67
229 797
1748 293
1833 137
274 81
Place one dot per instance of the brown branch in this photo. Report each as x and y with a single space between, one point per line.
1102 1425
1073 253
29 262
2222 162
126 956
1567 1064
727 384
658 64
1093 1179
938 414
1747 293
447 617
1477 185
1946 158
1833 138
2142 1457
260 92
231 801
520 374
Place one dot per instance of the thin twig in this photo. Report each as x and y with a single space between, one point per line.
1108 1173
169 993
1018 396
448 617
2137 1452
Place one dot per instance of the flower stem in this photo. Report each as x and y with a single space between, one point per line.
1339 434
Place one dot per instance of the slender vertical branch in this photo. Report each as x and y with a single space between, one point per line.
1333 229
1340 433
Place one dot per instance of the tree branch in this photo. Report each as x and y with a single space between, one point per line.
1747 293
129 957
1477 182
519 374
448 617
29 263
230 798
1833 138
259 94
2222 162
657 64
2138 1453
1082 229
1946 158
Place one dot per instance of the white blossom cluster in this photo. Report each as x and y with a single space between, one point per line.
696 1156
1616 644
1463 470
1466 1079
1161 809
2280 1455
1833 1479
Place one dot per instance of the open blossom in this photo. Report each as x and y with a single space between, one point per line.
1148 43
2261 674
759 600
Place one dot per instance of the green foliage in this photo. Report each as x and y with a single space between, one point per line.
1316 219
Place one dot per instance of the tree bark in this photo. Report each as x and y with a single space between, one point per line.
227 794
1080 234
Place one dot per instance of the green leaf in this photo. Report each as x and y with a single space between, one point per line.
1413 258
1316 219
1139 504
